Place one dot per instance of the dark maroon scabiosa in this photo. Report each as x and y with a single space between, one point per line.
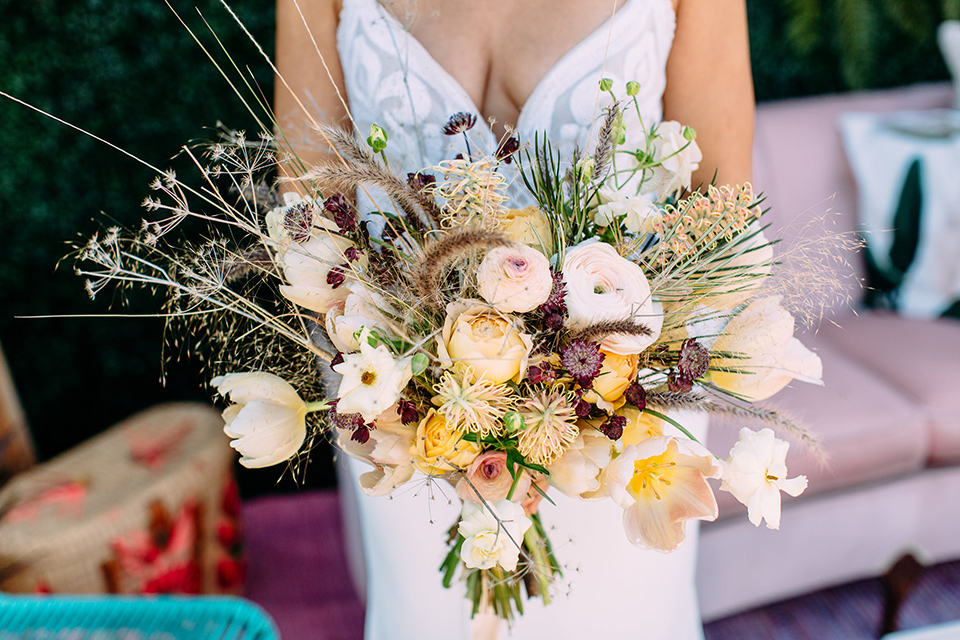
613 426
582 360
542 374
508 147
407 411
350 422
362 433
636 395
582 408
337 359
298 221
352 254
336 277
694 359
459 123
342 213
420 181
677 383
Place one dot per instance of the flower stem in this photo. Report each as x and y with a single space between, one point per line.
320 405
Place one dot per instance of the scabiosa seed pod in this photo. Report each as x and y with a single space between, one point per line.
352 254
613 426
407 411
337 359
582 408
362 433
459 122
342 213
636 395
542 374
507 148
678 383
336 277
582 360
420 181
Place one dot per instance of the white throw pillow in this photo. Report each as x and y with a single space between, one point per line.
881 149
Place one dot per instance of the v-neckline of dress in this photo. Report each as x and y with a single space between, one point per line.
541 87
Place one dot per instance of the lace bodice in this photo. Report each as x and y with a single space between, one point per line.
393 81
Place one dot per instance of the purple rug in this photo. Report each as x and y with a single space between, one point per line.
298 573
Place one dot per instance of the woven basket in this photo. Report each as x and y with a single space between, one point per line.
149 506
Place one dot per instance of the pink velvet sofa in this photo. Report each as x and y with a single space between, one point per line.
888 417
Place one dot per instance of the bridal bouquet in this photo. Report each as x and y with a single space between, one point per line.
442 334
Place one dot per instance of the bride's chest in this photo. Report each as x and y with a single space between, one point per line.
499 50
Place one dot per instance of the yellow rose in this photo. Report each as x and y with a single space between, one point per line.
528 226
640 426
485 341
439 449
616 374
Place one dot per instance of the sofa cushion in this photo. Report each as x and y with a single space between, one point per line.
918 357
869 430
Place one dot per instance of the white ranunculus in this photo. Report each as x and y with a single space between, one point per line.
372 380
678 158
514 279
577 471
762 354
603 285
638 213
361 308
267 421
487 542
306 267
756 473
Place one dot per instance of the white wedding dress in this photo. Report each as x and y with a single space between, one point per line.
609 588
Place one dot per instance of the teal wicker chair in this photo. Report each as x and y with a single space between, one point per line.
133 618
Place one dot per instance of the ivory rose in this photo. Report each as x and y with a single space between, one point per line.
306 267
515 278
488 474
603 285
528 226
661 483
759 353
484 342
616 374
439 449
492 534
268 419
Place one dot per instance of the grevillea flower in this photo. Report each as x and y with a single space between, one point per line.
550 427
661 483
582 360
474 407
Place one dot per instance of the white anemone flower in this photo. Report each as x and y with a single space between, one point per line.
678 157
756 473
268 419
372 379
492 534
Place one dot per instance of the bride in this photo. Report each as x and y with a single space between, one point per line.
530 66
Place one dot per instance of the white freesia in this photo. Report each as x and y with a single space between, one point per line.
372 380
577 471
660 483
756 473
306 267
762 354
603 285
638 213
267 421
361 308
489 542
514 279
678 158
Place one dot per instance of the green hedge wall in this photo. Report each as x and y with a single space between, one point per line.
127 71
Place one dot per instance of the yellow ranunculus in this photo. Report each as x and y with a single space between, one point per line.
484 342
616 374
528 226
439 449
